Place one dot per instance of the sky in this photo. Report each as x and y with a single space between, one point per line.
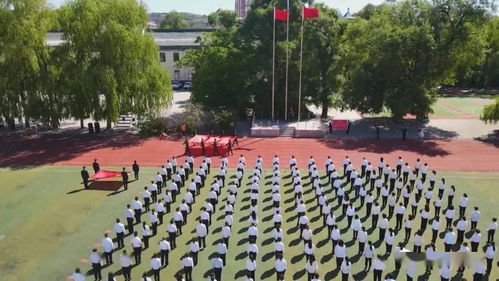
207 6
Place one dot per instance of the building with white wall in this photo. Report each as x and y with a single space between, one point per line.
172 44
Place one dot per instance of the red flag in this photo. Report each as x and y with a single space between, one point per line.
309 13
281 15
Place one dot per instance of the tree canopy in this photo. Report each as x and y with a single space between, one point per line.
173 20
391 57
105 66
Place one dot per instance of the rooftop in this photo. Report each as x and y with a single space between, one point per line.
162 37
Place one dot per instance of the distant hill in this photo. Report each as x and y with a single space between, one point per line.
193 21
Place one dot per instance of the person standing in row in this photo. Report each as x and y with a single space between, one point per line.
188 264
164 247
119 229
135 168
96 264
155 267
126 265
85 176
108 246
77 276
137 247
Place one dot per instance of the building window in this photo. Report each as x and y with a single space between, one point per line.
176 57
162 57
176 74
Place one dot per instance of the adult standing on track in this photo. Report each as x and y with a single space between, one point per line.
85 176
135 168
96 166
124 176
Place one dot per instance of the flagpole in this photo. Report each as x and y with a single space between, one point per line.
273 68
287 68
301 65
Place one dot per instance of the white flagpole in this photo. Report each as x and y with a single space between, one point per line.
273 68
301 64
287 68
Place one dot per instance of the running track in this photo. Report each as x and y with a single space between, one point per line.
445 155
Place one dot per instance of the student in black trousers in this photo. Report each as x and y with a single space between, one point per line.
85 176
96 166
135 168
124 176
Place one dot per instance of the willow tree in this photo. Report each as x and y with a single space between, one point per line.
23 27
113 63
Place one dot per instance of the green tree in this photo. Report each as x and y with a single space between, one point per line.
222 18
116 62
400 55
173 20
323 68
490 112
23 27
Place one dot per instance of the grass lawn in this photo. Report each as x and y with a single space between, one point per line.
470 105
49 225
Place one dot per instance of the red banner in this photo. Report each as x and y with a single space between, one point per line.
309 13
102 174
281 15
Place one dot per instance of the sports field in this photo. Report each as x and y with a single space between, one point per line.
49 225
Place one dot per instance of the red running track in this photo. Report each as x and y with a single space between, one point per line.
445 155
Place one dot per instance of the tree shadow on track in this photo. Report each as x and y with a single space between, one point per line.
24 152
380 146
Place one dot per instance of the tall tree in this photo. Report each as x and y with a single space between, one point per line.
23 27
397 59
116 62
322 58
173 20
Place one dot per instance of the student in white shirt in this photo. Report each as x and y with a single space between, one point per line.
280 267
188 264
369 252
155 266
490 253
164 250
77 276
463 203
418 241
312 268
346 268
449 239
474 217
126 265
412 269
96 264
491 230
340 252
475 240
378 268
251 268
108 247
218 265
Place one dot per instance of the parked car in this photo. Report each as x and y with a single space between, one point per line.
176 86
188 85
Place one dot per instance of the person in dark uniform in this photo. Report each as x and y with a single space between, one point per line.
85 176
187 149
215 147
124 176
236 141
203 148
135 168
96 166
229 150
